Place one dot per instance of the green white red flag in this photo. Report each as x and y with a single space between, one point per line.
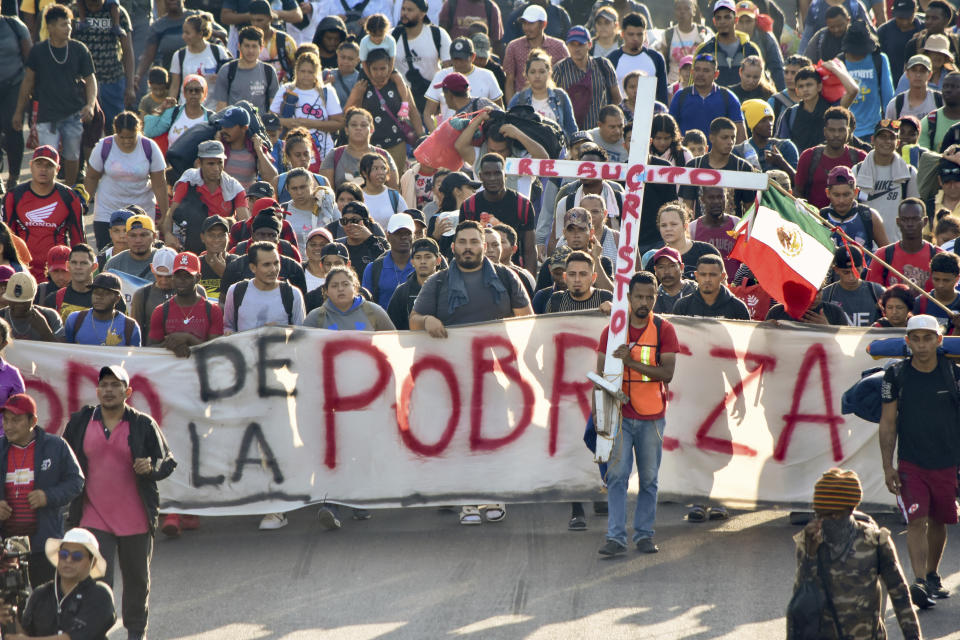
786 248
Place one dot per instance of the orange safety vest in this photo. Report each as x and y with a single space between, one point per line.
647 396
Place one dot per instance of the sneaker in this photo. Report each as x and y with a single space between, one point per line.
361 514
171 525
273 521
920 595
328 519
577 523
190 523
935 586
646 545
612 548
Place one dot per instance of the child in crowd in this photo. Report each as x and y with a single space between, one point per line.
629 94
686 76
377 27
159 81
695 142
345 75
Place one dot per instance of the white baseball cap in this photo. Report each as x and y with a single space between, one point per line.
534 13
724 4
401 221
924 322
163 261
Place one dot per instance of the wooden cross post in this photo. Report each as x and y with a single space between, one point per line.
635 173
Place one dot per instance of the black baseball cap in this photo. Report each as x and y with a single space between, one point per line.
212 221
259 8
356 207
271 122
417 216
335 249
260 189
904 8
948 171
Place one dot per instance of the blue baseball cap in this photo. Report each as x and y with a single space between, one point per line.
578 34
234 117
120 217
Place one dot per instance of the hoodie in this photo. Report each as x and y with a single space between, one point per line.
726 306
361 316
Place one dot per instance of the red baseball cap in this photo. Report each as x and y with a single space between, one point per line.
20 403
47 152
670 254
187 261
261 204
57 258
454 82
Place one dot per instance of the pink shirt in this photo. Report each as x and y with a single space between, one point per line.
515 57
111 502
719 238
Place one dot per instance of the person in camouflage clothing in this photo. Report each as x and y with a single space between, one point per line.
857 555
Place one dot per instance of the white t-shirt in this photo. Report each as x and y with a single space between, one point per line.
919 111
302 222
628 63
260 308
313 282
483 84
682 44
182 123
380 208
126 178
424 53
203 63
305 35
543 108
311 105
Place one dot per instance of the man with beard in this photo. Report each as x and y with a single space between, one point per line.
421 47
76 295
580 275
138 258
668 267
855 556
919 419
508 247
712 299
102 324
471 289
816 162
425 259
714 226
649 359
578 235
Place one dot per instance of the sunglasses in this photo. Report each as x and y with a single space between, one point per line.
76 556
886 123
705 57
351 220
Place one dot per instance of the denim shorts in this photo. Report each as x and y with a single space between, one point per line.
64 133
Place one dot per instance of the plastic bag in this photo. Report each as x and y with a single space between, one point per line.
832 87
437 150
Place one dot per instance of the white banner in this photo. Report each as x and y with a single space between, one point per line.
274 419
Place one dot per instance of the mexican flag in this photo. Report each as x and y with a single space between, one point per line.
787 249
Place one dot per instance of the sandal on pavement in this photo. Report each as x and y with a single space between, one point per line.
577 523
717 513
470 516
697 513
494 512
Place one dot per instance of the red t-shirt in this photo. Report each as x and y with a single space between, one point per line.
17 485
44 221
668 344
216 206
817 195
915 266
192 320
719 238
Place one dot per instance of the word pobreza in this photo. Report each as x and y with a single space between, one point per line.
635 174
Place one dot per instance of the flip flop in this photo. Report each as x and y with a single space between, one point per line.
697 513
470 516
717 513
494 512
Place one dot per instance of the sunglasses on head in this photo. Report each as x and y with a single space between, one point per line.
705 57
76 556
892 124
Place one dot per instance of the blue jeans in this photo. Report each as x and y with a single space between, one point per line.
66 132
643 438
111 95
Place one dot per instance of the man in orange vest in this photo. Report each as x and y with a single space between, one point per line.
648 358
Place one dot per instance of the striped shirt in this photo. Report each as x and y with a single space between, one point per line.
603 78
18 484
563 301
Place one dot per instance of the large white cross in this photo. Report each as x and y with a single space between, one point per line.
635 173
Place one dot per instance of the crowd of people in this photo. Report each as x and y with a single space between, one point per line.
266 164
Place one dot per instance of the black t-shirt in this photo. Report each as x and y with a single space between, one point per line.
742 198
806 129
87 612
563 301
366 252
928 434
835 315
76 301
58 71
655 195
209 279
512 209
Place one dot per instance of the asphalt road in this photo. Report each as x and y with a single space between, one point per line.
418 574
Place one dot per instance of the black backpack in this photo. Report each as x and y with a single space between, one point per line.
67 196
353 15
182 154
189 216
545 132
418 84
888 252
240 290
901 98
815 161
